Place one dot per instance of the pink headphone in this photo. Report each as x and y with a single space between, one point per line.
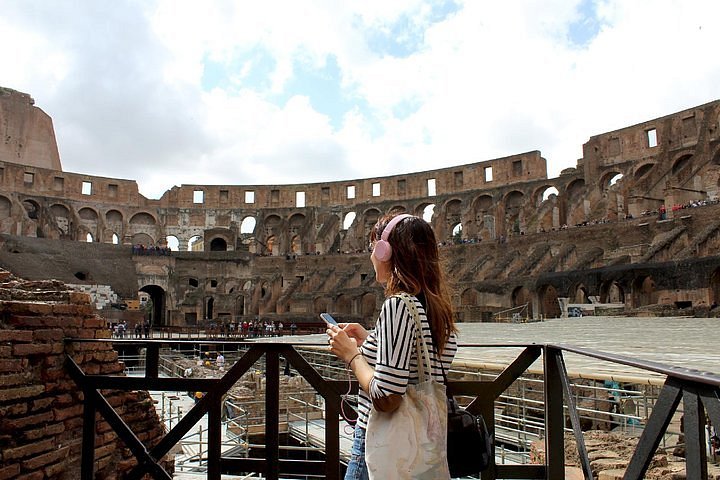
383 250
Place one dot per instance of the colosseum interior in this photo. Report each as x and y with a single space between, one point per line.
635 225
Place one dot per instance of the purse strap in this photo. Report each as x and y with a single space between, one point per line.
420 345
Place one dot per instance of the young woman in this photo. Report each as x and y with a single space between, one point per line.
384 360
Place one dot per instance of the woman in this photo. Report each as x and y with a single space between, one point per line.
384 361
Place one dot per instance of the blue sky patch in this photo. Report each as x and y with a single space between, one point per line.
406 107
407 34
324 89
587 25
251 69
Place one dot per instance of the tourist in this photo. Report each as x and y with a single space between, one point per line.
384 361
220 361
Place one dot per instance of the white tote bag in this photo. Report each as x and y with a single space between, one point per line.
411 442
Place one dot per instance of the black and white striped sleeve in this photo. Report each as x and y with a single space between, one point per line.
395 345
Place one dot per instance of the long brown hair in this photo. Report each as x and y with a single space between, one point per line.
415 269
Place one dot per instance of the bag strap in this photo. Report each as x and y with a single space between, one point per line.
445 380
420 345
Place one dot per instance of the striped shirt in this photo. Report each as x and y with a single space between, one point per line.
390 350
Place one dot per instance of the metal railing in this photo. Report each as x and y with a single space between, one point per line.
699 391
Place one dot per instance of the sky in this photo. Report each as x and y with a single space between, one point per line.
231 92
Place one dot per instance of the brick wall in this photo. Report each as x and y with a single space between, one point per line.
40 405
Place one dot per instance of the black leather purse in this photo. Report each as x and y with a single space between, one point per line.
469 443
470 448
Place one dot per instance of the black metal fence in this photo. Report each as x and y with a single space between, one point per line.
699 391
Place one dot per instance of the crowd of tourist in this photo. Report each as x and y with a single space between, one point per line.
140 249
123 330
249 329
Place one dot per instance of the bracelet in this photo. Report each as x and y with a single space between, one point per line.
353 358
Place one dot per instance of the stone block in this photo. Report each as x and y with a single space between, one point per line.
12 365
39 461
11 471
16 336
10 394
14 379
30 449
65 413
48 335
38 475
29 349
44 431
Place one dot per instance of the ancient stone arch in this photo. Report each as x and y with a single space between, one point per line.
343 304
296 230
549 306
143 239
88 214
273 234
513 202
607 177
521 296
453 217
611 291
682 167
537 197
63 219
643 169
5 207
113 217
89 219
715 287
218 244
580 294
469 297
643 291
574 207
143 218
422 209
368 305
482 213
32 208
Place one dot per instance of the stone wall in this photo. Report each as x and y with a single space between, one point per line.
28 133
40 406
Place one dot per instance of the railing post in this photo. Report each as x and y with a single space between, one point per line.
272 409
214 439
695 450
554 419
87 469
152 360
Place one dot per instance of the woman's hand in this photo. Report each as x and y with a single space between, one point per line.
356 331
344 347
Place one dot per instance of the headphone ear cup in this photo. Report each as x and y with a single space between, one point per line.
383 250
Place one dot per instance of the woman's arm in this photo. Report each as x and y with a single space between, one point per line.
346 350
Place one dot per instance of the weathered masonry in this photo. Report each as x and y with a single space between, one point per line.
610 229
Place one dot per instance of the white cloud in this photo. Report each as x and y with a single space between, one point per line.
123 81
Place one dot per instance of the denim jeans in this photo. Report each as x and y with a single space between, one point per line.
357 469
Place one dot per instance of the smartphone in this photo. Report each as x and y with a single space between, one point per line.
328 319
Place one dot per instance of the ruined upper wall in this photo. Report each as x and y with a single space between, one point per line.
28 136
653 141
